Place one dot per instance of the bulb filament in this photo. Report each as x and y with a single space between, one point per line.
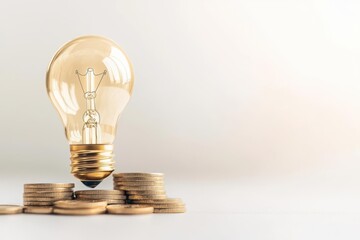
91 117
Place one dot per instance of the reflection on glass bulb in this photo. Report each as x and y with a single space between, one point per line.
90 81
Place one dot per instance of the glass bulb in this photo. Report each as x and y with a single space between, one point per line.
90 81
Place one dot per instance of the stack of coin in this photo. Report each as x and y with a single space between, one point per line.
110 196
168 205
39 197
140 186
80 207
147 189
130 209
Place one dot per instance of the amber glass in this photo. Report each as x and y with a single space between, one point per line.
90 81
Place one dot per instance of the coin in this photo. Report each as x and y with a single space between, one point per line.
169 210
32 203
140 197
49 185
100 192
89 196
45 199
76 204
138 174
139 188
138 183
10 209
146 192
129 209
158 201
114 201
138 179
48 190
38 210
80 211
49 195
166 205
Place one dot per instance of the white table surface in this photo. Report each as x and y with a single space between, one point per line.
216 209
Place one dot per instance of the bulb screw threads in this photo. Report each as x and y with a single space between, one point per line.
91 162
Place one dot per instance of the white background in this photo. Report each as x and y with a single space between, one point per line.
251 108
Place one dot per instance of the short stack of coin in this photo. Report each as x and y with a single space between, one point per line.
41 196
80 207
168 205
140 186
147 189
110 196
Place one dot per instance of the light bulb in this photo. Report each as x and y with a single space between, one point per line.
90 81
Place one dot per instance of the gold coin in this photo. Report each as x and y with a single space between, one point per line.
48 190
139 188
138 179
38 210
141 197
32 203
146 192
49 195
166 205
93 196
45 199
76 204
49 185
138 183
138 174
100 192
10 209
169 210
80 211
158 201
129 209
114 201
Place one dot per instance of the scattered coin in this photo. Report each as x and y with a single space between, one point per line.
129 209
10 209
77 204
80 211
38 210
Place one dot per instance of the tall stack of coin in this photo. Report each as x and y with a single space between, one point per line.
110 196
147 189
39 197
